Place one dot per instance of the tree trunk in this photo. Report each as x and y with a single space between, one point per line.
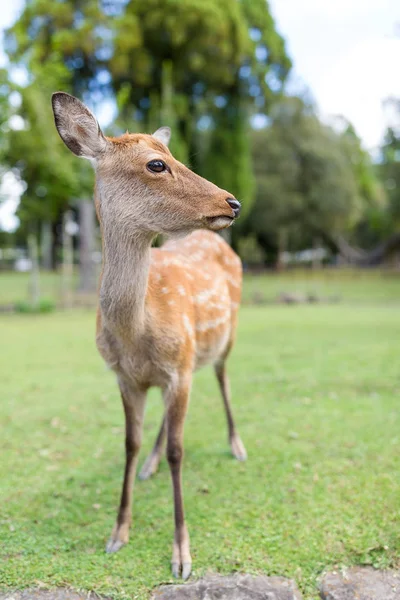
34 286
68 261
46 245
87 268
282 246
55 245
365 258
316 261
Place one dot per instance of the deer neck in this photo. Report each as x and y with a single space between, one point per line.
125 274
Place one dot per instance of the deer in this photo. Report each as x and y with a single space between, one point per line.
162 312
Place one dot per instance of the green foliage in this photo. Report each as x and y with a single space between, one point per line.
201 37
311 180
171 109
5 114
369 224
163 62
269 72
43 306
228 159
250 250
390 173
368 185
70 34
53 177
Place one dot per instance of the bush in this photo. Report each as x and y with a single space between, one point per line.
250 251
43 306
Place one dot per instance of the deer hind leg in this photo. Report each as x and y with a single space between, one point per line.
178 399
237 447
151 463
133 401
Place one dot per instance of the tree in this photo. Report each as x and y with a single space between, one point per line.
390 172
371 196
5 114
307 185
53 178
228 157
177 59
379 232
61 45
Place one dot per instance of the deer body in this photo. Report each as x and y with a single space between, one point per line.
190 308
163 312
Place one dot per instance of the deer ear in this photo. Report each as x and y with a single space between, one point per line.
163 134
77 126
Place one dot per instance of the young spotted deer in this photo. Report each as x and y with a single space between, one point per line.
163 312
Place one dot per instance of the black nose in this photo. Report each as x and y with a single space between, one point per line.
235 206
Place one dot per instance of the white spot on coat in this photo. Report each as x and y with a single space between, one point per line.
188 325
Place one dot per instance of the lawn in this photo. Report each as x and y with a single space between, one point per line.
344 284
315 392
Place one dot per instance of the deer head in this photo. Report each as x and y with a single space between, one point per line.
140 185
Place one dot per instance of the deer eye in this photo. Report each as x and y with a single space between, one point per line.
156 166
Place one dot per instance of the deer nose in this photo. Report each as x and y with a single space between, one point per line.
235 206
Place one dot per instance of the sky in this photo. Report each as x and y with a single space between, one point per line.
347 54
344 51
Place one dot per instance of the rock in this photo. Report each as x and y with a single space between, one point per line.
361 583
258 298
291 298
233 587
57 594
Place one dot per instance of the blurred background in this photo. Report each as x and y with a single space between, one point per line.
293 107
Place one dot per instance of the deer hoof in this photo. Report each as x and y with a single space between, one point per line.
186 569
176 569
113 546
149 468
119 538
238 449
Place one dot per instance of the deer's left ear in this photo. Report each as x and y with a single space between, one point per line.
163 134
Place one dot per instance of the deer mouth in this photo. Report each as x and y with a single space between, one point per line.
219 222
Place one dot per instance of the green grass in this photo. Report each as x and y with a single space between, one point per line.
316 397
14 287
347 285
344 284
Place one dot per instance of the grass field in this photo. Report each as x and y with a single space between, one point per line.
350 285
315 392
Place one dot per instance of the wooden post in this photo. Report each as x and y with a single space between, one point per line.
34 283
87 224
68 261
46 245
282 247
316 261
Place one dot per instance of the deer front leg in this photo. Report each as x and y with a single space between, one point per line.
176 412
133 401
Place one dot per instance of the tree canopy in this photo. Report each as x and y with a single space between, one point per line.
195 65
53 178
311 179
205 68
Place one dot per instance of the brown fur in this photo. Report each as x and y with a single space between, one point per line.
163 312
